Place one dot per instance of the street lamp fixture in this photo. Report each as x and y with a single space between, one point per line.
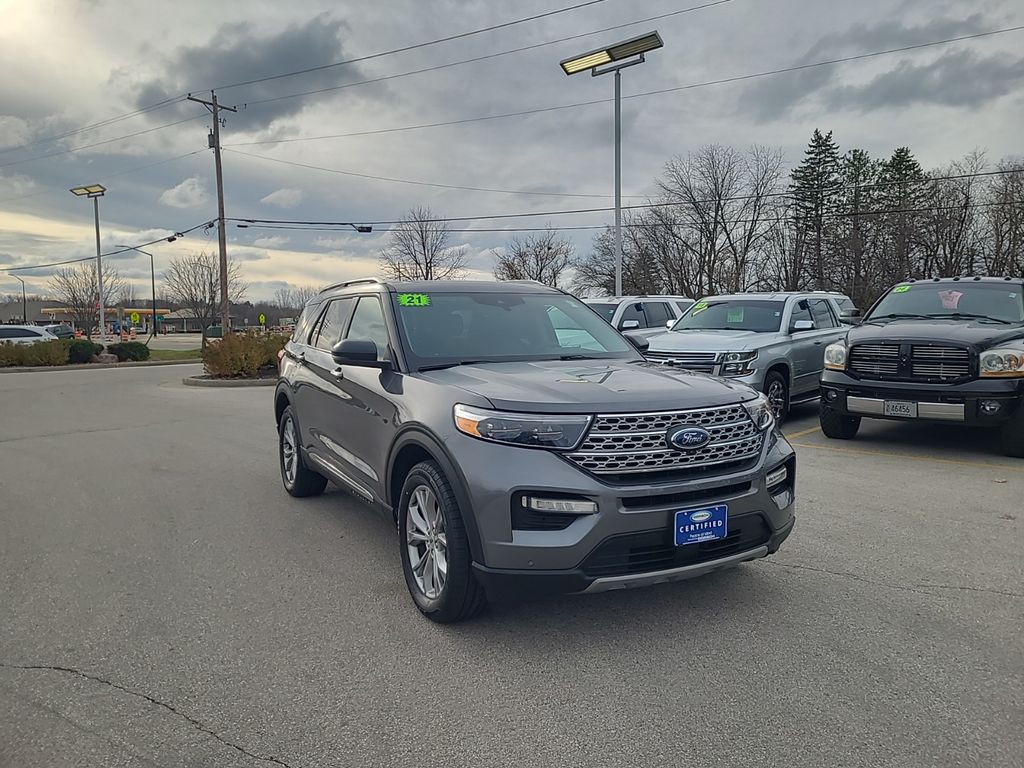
627 53
95 191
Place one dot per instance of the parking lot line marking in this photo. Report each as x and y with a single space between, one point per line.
802 433
897 454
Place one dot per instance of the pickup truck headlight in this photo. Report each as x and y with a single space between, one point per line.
523 429
835 356
737 363
1006 360
760 411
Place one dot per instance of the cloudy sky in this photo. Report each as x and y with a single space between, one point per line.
68 64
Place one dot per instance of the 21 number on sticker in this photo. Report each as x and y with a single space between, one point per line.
413 300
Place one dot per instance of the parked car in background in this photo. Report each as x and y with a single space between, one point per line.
24 334
641 315
61 331
514 459
949 350
774 342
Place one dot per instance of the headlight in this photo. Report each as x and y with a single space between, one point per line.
1006 360
523 429
835 356
760 411
737 363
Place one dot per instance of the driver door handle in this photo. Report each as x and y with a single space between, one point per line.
300 358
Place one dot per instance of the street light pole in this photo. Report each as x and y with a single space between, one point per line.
24 301
99 268
152 278
618 181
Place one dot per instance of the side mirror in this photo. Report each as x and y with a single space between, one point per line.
637 340
802 325
628 325
850 316
356 352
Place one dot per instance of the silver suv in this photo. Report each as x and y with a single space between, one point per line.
774 342
640 315
520 444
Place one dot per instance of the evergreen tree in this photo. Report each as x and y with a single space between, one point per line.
856 229
901 191
815 188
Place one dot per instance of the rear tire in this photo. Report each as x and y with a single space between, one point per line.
298 479
836 425
776 389
434 548
1011 436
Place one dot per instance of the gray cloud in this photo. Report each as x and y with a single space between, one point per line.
238 53
775 97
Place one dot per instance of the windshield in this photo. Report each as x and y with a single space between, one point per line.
450 328
1000 302
733 315
607 311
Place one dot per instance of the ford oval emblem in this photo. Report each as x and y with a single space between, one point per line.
700 517
688 438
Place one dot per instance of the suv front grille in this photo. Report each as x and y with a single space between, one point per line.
620 444
634 553
704 362
916 362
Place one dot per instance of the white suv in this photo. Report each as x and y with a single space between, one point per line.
24 334
640 315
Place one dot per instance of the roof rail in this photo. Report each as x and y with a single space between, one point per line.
347 283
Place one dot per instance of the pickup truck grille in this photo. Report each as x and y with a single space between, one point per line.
703 362
915 362
636 442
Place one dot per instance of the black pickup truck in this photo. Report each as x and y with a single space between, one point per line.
949 350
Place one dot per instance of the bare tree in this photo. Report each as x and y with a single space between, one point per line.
294 298
544 257
194 283
77 288
418 249
1003 250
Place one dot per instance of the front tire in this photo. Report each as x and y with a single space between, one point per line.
434 548
836 425
298 479
776 389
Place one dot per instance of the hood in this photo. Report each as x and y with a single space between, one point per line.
605 386
712 341
973 333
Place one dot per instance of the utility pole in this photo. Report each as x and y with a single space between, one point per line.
24 301
215 108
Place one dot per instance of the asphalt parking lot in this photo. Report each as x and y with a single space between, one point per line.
165 603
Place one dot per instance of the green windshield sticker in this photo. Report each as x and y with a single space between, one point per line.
901 289
734 315
413 300
699 307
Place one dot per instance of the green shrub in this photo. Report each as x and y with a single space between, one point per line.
10 354
242 355
45 353
129 350
82 350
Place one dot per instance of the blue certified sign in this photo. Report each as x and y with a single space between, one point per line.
696 525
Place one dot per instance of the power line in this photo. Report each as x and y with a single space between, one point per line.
488 56
100 143
412 47
176 234
418 183
689 86
104 177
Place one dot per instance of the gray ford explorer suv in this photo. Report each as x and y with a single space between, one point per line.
522 445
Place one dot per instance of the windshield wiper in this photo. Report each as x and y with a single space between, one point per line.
442 366
900 316
970 316
580 357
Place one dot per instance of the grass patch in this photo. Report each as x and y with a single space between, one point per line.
175 354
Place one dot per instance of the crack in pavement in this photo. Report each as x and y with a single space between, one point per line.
199 726
971 589
845 575
95 430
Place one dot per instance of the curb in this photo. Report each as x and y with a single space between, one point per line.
97 366
199 381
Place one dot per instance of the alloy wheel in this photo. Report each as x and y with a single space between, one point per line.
289 450
777 398
427 542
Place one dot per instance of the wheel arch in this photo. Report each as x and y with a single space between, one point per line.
281 401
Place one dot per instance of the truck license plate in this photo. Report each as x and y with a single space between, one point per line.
901 408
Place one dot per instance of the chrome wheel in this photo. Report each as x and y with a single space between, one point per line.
427 542
289 450
776 395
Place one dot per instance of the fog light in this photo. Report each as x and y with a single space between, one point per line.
831 395
567 506
989 407
776 476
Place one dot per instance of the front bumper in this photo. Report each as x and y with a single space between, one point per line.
955 403
629 540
